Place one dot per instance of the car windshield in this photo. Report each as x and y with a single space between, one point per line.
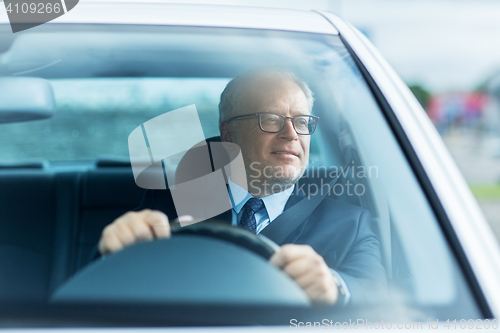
132 102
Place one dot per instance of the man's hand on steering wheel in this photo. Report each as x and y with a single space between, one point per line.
309 270
300 262
135 227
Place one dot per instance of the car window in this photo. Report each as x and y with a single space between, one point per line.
109 81
95 116
419 256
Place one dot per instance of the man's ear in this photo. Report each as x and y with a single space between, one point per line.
226 132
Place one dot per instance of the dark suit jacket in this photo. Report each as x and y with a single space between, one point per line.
340 232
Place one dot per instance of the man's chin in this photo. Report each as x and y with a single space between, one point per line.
286 174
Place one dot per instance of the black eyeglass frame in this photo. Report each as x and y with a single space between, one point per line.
252 115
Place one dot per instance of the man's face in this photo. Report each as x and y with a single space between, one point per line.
279 158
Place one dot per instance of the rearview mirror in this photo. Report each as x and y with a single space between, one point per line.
25 99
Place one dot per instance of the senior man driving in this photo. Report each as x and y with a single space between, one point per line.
334 256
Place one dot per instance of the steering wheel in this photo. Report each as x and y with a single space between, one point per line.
204 263
258 244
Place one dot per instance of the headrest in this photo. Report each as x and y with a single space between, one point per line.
202 159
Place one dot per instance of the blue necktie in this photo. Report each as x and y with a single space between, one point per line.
247 220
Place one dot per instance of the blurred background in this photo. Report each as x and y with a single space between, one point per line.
448 52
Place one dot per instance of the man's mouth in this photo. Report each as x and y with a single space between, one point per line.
284 152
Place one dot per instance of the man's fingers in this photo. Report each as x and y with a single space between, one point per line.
109 242
314 293
297 267
132 228
141 230
290 252
310 278
158 222
324 291
309 271
125 234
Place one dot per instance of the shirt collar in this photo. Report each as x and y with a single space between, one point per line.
274 203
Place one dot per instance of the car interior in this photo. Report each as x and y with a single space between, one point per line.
55 206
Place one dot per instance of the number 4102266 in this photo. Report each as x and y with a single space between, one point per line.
34 8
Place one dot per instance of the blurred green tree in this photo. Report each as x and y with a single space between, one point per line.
422 94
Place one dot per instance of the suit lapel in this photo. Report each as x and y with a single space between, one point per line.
293 199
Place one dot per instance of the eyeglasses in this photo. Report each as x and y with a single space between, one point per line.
274 123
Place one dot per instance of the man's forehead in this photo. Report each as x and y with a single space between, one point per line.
285 108
277 97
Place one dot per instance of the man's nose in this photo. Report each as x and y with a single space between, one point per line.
288 132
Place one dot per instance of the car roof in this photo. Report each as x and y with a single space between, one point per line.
157 13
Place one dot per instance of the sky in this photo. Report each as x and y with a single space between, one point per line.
445 45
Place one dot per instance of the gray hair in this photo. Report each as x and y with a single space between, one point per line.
231 98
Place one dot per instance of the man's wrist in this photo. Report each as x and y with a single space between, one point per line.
343 295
